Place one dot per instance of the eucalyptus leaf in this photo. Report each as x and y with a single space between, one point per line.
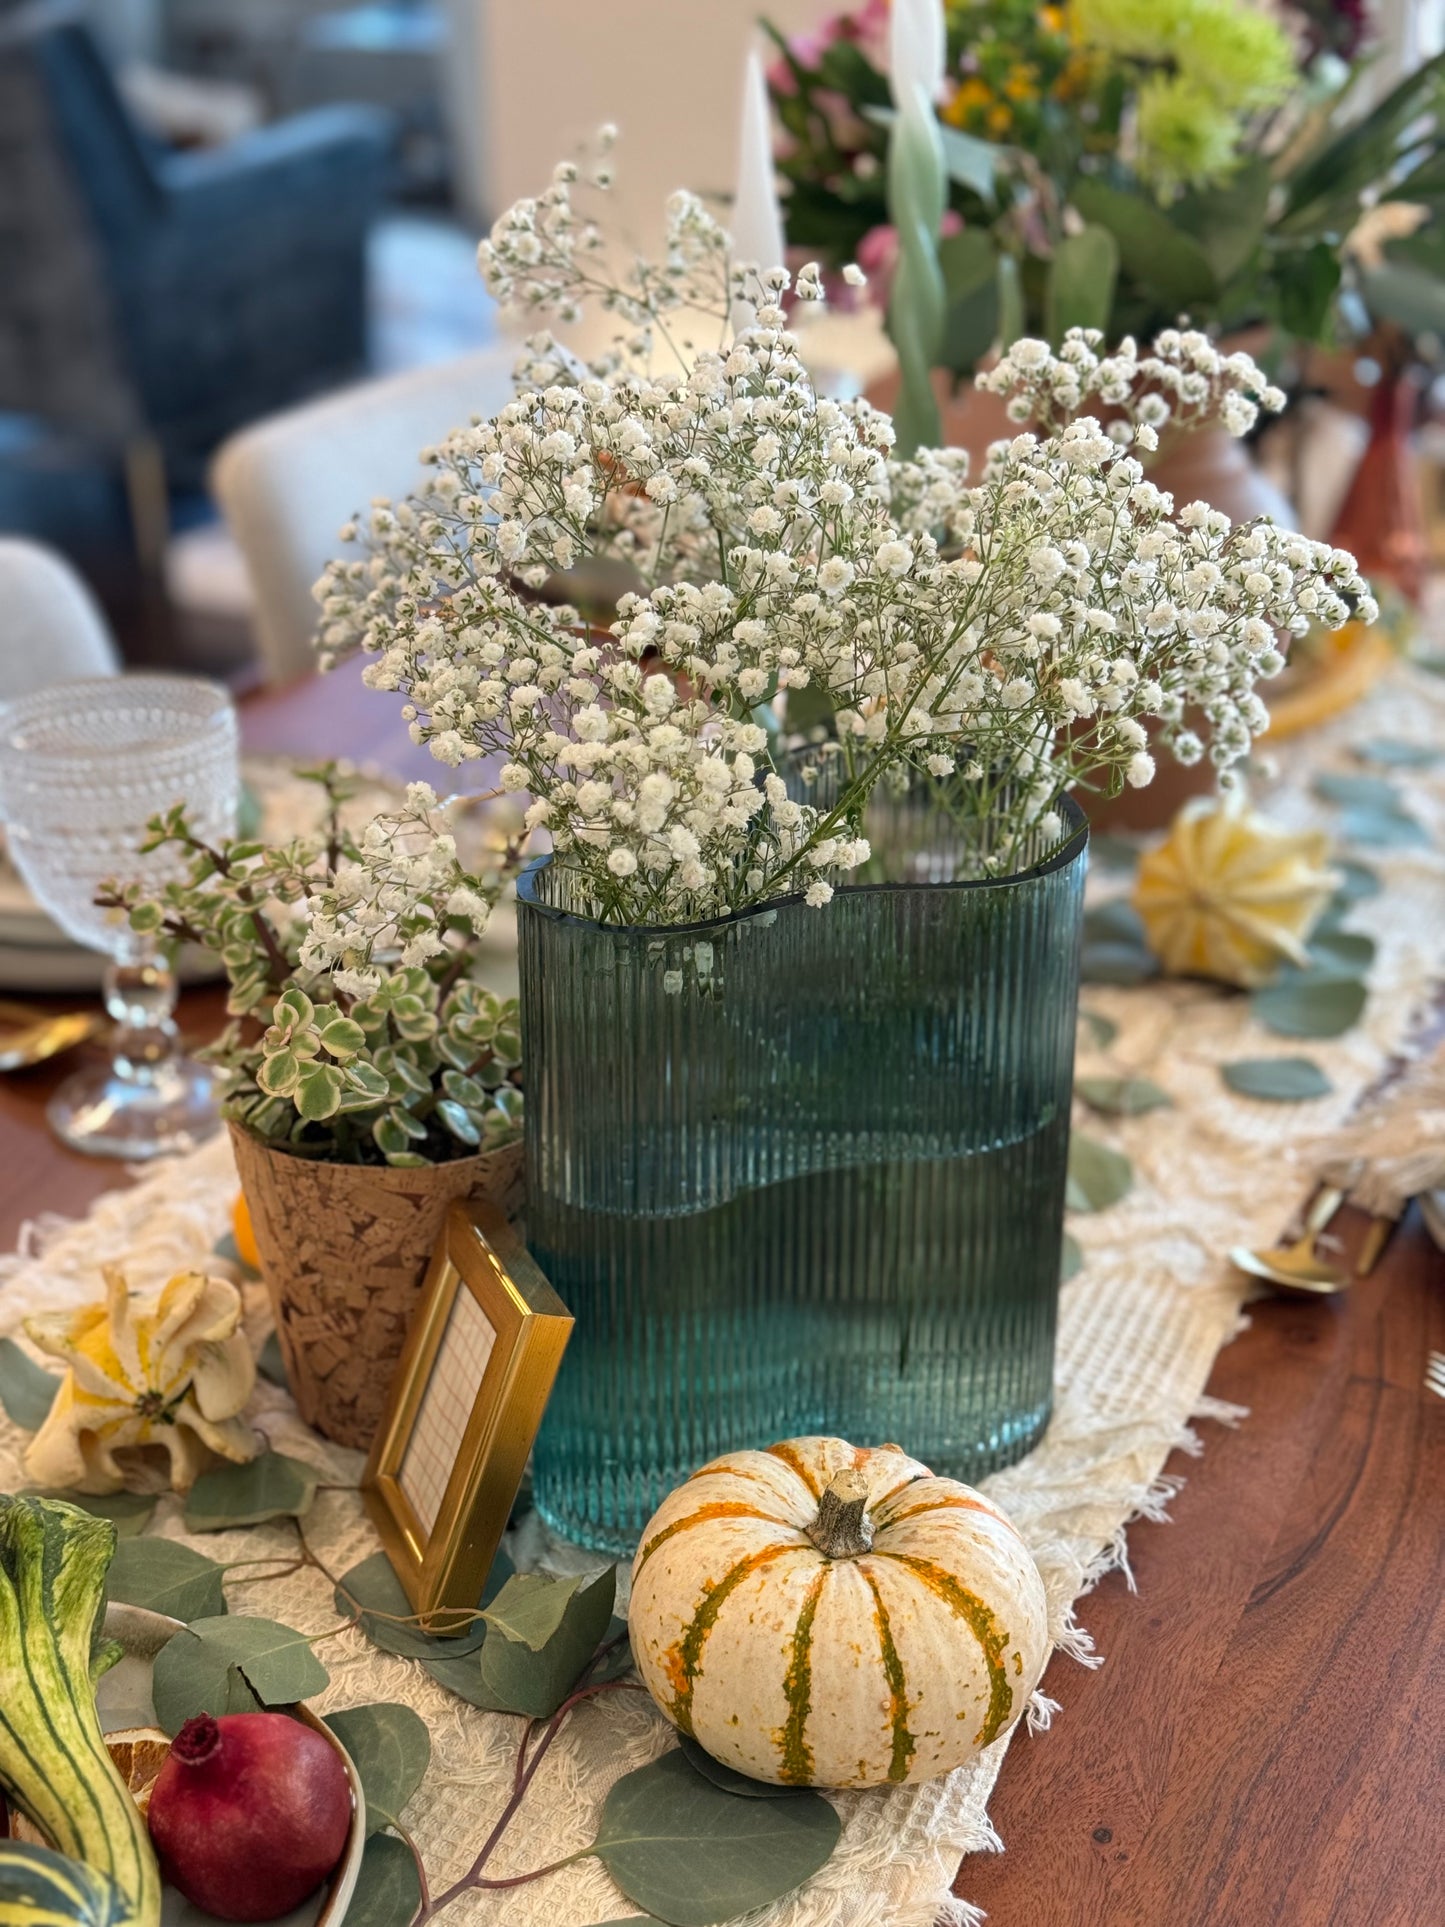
374 1587
241 1696
728 1778
27 1390
1081 280
167 1577
1342 952
1112 850
227 1248
273 1486
1115 921
541 1633
1152 249
1098 1175
270 1363
191 1673
1071 1258
1356 792
531 1607
388 1887
463 1676
1384 829
1357 881
1117 963
1309 1004
1101 1030
128 1512
1280 1080
1122 1096
693 1855
390 1749
1390 753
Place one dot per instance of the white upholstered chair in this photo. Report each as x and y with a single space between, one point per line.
51 628
286 485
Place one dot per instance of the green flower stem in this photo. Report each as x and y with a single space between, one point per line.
917 307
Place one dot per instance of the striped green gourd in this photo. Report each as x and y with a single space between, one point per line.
54 1763
823 1615
39 1888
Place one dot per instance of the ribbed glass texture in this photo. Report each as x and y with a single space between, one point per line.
800 1171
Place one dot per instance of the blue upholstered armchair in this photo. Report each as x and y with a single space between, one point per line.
232 280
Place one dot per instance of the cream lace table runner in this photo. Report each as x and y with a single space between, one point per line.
1140 1328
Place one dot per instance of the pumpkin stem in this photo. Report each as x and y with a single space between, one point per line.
842 1528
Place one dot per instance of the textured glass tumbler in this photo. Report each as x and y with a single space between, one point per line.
83 767
800 1171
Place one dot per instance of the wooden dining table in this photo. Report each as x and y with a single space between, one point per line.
1264 1742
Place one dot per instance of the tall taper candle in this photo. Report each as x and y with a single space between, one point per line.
757 222
917 197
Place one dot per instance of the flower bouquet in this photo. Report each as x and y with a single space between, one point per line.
799 974
1115 163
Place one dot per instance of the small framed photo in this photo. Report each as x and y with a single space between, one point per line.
465 1406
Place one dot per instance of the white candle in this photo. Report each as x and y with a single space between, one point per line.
757 221
917 51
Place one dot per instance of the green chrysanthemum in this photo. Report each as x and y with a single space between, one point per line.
1185 137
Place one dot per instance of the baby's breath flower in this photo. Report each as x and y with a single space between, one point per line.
1003 637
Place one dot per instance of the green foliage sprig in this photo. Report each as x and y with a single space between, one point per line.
358 1032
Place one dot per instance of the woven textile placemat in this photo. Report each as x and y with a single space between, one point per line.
1140 1326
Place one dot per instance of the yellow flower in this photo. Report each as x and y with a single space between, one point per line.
972 96
173 1373
1052 19
1021 82
1229 896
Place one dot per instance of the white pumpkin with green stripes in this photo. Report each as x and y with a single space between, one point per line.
819 1614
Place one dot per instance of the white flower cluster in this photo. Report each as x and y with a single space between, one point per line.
1002 642
1184 382
398 896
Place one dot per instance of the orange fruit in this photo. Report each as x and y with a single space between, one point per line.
245 1237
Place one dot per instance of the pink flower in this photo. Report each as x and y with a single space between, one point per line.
878 254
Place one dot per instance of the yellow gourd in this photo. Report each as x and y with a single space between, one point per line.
174 1373
823 1615
1229 896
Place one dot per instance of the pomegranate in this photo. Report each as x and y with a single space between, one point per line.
249 1814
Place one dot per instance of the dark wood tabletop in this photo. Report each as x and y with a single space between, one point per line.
1264 1744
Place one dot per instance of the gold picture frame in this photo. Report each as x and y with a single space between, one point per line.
465 1405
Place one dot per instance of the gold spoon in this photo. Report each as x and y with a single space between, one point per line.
1295 1267
29 1036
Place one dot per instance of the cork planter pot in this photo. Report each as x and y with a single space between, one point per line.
344 1249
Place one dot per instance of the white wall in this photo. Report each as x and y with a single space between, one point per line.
668 72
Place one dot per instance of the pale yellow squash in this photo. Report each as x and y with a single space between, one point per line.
1230 896
824 1615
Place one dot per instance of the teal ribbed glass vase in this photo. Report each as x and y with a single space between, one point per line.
800 1170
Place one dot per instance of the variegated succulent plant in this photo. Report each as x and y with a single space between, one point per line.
358 1030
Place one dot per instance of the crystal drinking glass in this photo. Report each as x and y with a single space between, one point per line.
83 766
